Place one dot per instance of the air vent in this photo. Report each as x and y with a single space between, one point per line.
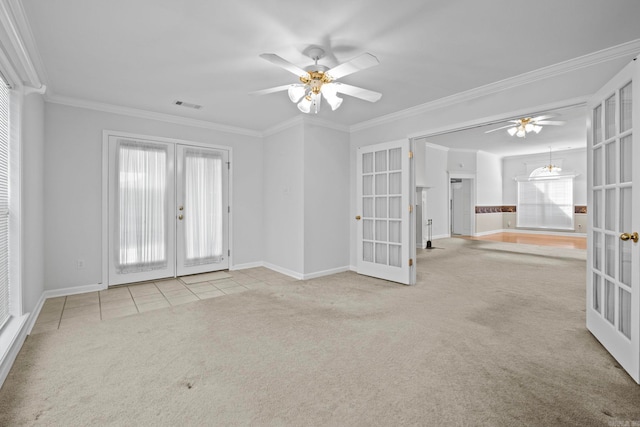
187 104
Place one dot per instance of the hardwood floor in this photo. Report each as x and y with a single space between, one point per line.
535 239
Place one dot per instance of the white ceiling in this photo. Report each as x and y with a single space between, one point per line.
145 54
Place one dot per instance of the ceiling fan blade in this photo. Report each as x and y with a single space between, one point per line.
270 90
283 63
500 128
358 92
537 119
551 122
358 63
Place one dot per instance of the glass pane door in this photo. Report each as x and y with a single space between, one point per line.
612 290
203 210
383 205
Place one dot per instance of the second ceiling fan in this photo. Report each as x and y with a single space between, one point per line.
316 81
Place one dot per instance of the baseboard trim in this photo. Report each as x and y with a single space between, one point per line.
33 316
550 233
326 272
53 293
246 265
284 271
14 333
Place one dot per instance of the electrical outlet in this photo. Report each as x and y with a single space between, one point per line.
80 264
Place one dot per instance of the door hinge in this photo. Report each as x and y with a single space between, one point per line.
228 209
411 154
228 252
228 165
410 208
410 262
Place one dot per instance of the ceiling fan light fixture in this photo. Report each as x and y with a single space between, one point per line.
537 128
296 92
330 93
305 104
512 131
521 133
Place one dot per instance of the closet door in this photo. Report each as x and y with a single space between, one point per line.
202 210
141 203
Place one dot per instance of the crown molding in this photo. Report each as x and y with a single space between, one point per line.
311 120
280 127
13 20
303 119
26 32
144 114
615 52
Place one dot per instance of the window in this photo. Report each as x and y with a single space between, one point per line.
5 296
546 202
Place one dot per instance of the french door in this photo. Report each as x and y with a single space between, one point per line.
386 244
613 262
168 210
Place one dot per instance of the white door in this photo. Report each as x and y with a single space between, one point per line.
141 203
613 262
386 247
168 210
203 210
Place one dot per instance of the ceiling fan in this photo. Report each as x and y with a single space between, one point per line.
521 127
318 80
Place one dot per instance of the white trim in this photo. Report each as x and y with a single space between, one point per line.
33 316
441 236
75 290
326 272
12 338
625 49
353 268
246 266
515 230
292 122
144 114
284 271
432 145
31 49
7 18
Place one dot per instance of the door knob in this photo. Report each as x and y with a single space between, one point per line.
358 217
626 236
180 217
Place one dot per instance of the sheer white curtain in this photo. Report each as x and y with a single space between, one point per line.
203 221
141 231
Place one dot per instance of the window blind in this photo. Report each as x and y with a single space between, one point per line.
546 203
4 203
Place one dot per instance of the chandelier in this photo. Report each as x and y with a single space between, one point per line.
523 127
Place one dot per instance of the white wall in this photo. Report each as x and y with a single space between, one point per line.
33 210
326 199
73 189
283 188
437 191
488 180
462 161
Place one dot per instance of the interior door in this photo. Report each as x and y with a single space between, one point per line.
202 210
613 262
385 246
141 230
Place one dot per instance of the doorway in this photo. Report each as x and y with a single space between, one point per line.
461 204
168 209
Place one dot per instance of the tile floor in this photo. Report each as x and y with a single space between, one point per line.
80 309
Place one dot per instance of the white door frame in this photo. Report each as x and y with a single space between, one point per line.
105 188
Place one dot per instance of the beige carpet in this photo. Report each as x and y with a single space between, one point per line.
490 336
